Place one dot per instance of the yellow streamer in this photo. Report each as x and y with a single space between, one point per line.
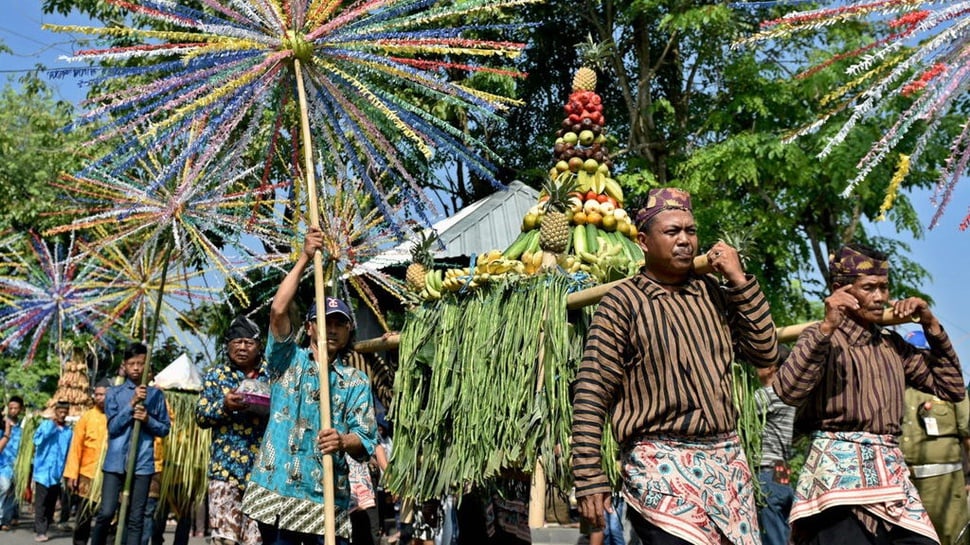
902 169
388 113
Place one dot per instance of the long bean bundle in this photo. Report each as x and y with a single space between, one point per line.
25 455
751 423
470 403
184 477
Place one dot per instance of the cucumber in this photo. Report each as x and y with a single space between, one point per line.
579 239
533 242
516 248
635 251
592 245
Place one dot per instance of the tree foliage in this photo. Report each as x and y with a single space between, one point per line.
34 150
685 108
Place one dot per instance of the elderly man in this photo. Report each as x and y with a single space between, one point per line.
658 362
238 430
847 375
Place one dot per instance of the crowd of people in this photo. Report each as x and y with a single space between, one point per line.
886 418
266 476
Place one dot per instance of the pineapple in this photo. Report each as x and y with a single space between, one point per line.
421 261
554 229
584 80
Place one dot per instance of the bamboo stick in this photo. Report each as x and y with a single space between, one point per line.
136 426
323 366
592 296
790 333
537 486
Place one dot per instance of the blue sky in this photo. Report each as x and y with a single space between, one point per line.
944 252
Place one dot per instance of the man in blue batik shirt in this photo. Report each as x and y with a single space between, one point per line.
237 430
285 492
123 405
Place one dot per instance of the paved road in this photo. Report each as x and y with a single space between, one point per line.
24 535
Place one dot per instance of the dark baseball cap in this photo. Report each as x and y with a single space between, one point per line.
333 306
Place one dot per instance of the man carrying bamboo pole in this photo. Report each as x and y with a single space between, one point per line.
658 362
285 492
123 405
847 375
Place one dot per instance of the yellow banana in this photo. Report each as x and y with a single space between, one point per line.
613 189
588 257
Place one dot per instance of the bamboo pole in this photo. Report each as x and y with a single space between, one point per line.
790 333
537 486
136 426
592 296
323 366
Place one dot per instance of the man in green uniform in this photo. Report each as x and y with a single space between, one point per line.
934 431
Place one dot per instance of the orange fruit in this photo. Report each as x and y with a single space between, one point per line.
594 217
609 222
579 218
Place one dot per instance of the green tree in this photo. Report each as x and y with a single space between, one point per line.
688 109
34 150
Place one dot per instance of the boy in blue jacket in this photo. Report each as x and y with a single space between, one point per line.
123 405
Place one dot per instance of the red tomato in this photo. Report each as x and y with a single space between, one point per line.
590 196
602 197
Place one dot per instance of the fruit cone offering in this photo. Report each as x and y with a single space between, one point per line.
579 222
578 225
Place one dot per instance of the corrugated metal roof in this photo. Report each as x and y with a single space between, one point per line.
490 223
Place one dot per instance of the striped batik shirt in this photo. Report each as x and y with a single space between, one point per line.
659 363
855 378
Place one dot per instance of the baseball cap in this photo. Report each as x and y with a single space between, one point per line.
917 339
333 306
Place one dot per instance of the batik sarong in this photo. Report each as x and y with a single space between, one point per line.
698 489
861 470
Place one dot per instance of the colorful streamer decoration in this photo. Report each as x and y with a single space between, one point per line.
923 56
44 289
128 285
354 232
374 70
208 213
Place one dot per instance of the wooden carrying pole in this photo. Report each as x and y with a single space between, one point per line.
592 296
323 366
537 486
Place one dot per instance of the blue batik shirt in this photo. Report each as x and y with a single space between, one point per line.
290 466
118 409
9 454
235 437
51 443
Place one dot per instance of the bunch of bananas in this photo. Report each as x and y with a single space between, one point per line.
492 263
487 266
607 264
433 284
531 262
